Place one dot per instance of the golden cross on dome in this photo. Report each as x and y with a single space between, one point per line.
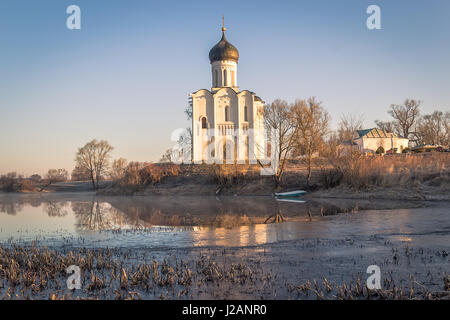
223 23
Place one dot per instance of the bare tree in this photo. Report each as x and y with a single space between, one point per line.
80 174
188 112
387 126
331 149
281 129
94 157
405 116
166 157
57 175
433 128
54 175
446 141
312 125
35 178
348 125
185 141
118 168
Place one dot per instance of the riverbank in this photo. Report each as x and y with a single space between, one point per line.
406 177
435 191
400 177
415 193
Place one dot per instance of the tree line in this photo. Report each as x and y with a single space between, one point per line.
13 182
408 122
301 130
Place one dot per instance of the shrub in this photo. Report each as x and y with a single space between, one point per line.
141 174
227 175
330 178
406 150
11 182
27 185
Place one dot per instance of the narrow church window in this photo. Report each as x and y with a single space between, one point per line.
245 113
227 113
224 77
247 149
204 124
216 78
224 150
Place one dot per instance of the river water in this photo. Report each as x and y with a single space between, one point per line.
277 246
162 223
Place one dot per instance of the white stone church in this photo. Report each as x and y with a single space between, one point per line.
227 124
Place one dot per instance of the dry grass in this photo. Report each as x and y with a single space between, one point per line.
138 175
356 172
403 170
40 273
37 273
357 290
227 175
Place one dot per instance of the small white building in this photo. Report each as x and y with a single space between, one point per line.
371 140
227 124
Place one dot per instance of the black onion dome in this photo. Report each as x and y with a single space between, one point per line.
223 50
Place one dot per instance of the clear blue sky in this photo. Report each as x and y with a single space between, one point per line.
126 75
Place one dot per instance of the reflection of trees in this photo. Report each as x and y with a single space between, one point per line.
97 215
139 213
34 202
275 218
91 215
55 209
16 204
10 207
130 218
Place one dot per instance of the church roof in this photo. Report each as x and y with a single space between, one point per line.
223 50
230 90
376 133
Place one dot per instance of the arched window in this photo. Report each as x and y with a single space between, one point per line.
224 151
227 113
245 113
224 77
216 78
204 124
